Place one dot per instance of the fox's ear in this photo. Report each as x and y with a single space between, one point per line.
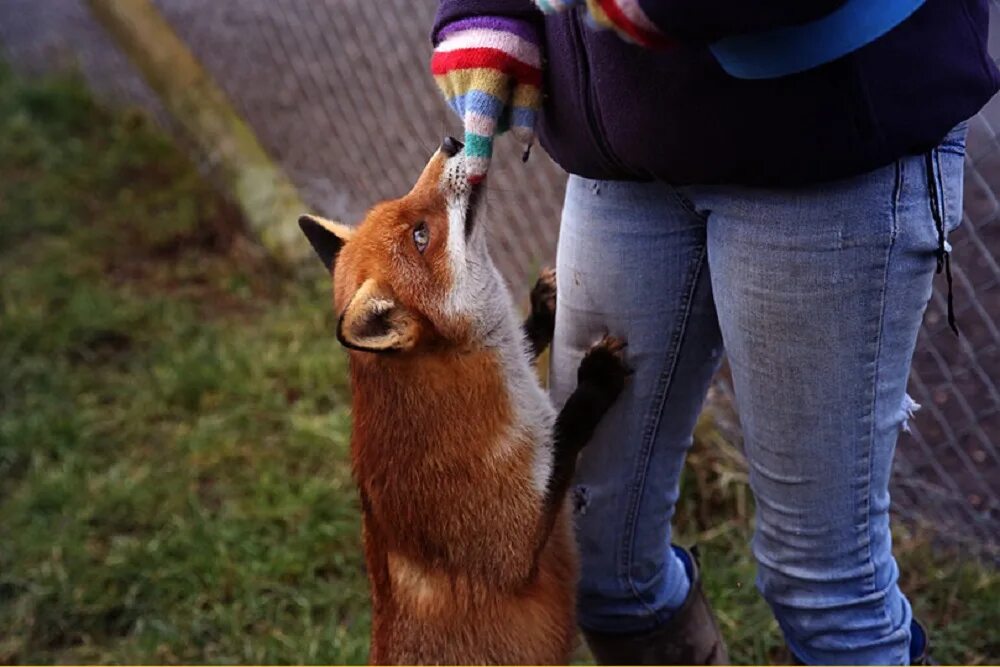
374 322
327 237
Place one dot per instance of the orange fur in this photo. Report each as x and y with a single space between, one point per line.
449 526
451 512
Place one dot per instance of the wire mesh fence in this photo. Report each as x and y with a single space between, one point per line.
338 92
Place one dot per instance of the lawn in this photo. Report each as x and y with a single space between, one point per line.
174 421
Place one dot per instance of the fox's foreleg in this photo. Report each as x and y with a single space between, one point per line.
600 379
541 322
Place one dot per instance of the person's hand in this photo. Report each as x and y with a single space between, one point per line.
489 69
625 17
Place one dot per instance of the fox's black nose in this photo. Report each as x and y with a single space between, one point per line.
451 146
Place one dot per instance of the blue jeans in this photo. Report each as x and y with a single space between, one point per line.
816 294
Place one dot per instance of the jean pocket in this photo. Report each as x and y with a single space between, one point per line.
954 141
950 167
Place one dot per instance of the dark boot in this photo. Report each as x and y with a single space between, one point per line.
920 645
689 637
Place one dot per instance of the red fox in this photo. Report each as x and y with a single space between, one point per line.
461 462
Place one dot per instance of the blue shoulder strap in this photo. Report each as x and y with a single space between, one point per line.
774 53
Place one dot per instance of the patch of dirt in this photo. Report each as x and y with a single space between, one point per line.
101 346
202 266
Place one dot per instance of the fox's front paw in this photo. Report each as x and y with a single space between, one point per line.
541 322
604 366
543 301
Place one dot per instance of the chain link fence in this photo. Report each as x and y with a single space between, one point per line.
338 92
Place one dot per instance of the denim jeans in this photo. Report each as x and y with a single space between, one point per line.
816 295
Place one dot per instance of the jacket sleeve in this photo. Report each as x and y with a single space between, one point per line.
455 10
709 20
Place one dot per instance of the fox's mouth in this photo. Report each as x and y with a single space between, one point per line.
472 211
456 182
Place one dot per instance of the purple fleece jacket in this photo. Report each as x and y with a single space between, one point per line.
617 111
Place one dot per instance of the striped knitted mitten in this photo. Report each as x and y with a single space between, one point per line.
489 69
625 17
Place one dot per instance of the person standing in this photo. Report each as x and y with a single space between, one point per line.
774 179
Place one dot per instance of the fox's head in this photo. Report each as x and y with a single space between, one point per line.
416 271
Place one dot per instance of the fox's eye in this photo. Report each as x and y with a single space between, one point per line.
421 236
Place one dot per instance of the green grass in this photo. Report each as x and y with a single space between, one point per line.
174 418
174 483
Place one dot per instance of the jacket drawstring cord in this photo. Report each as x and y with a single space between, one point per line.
943 256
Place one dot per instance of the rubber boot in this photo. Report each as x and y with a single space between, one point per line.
920 645
689 637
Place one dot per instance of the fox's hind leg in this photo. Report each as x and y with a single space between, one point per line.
541 322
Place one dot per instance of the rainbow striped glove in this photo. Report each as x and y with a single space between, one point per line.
625 17
489 69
